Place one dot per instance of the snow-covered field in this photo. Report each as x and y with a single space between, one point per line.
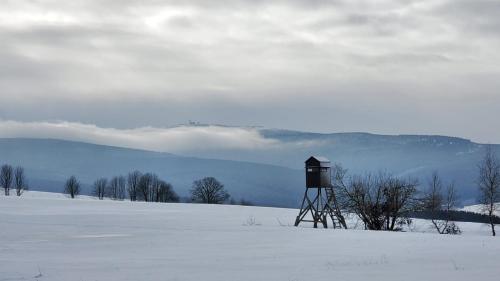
480 209
49 237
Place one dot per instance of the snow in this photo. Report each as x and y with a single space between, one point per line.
480 209
50 237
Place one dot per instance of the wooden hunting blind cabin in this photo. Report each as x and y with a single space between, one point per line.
319 198
318 172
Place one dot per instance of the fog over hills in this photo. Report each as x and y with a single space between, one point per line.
266 175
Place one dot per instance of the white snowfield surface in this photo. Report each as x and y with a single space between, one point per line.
50 237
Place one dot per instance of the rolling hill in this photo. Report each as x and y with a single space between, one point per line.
49 163
456 159
266 176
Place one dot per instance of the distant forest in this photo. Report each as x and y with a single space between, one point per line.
455 215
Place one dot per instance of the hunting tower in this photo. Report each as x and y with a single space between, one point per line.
319 198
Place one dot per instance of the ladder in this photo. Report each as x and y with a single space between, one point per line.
334 213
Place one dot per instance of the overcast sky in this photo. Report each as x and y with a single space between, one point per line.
402 66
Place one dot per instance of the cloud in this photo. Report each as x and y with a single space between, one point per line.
175 140
388 67
171 50
481 16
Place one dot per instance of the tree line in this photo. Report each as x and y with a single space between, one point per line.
385 202
13 178
148 187
456 215
136 186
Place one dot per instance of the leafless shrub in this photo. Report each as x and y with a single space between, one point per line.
381 201
436 202
251 221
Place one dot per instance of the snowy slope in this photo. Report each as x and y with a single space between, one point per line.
480 209
49 237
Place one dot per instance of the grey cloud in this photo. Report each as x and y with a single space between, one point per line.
409 59
475 18
134 63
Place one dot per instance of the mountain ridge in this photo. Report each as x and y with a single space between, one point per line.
268 176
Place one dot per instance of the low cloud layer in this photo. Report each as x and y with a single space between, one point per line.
176 140
388 66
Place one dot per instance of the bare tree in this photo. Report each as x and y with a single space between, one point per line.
433 199
116 188
341 203
399 196
154 190
20 181
151 188
382 202
489 185
112 187
132 184
437 203
144 187
100 188
366 198
209 190
72 187
450 203
6 177
166 193
121 192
